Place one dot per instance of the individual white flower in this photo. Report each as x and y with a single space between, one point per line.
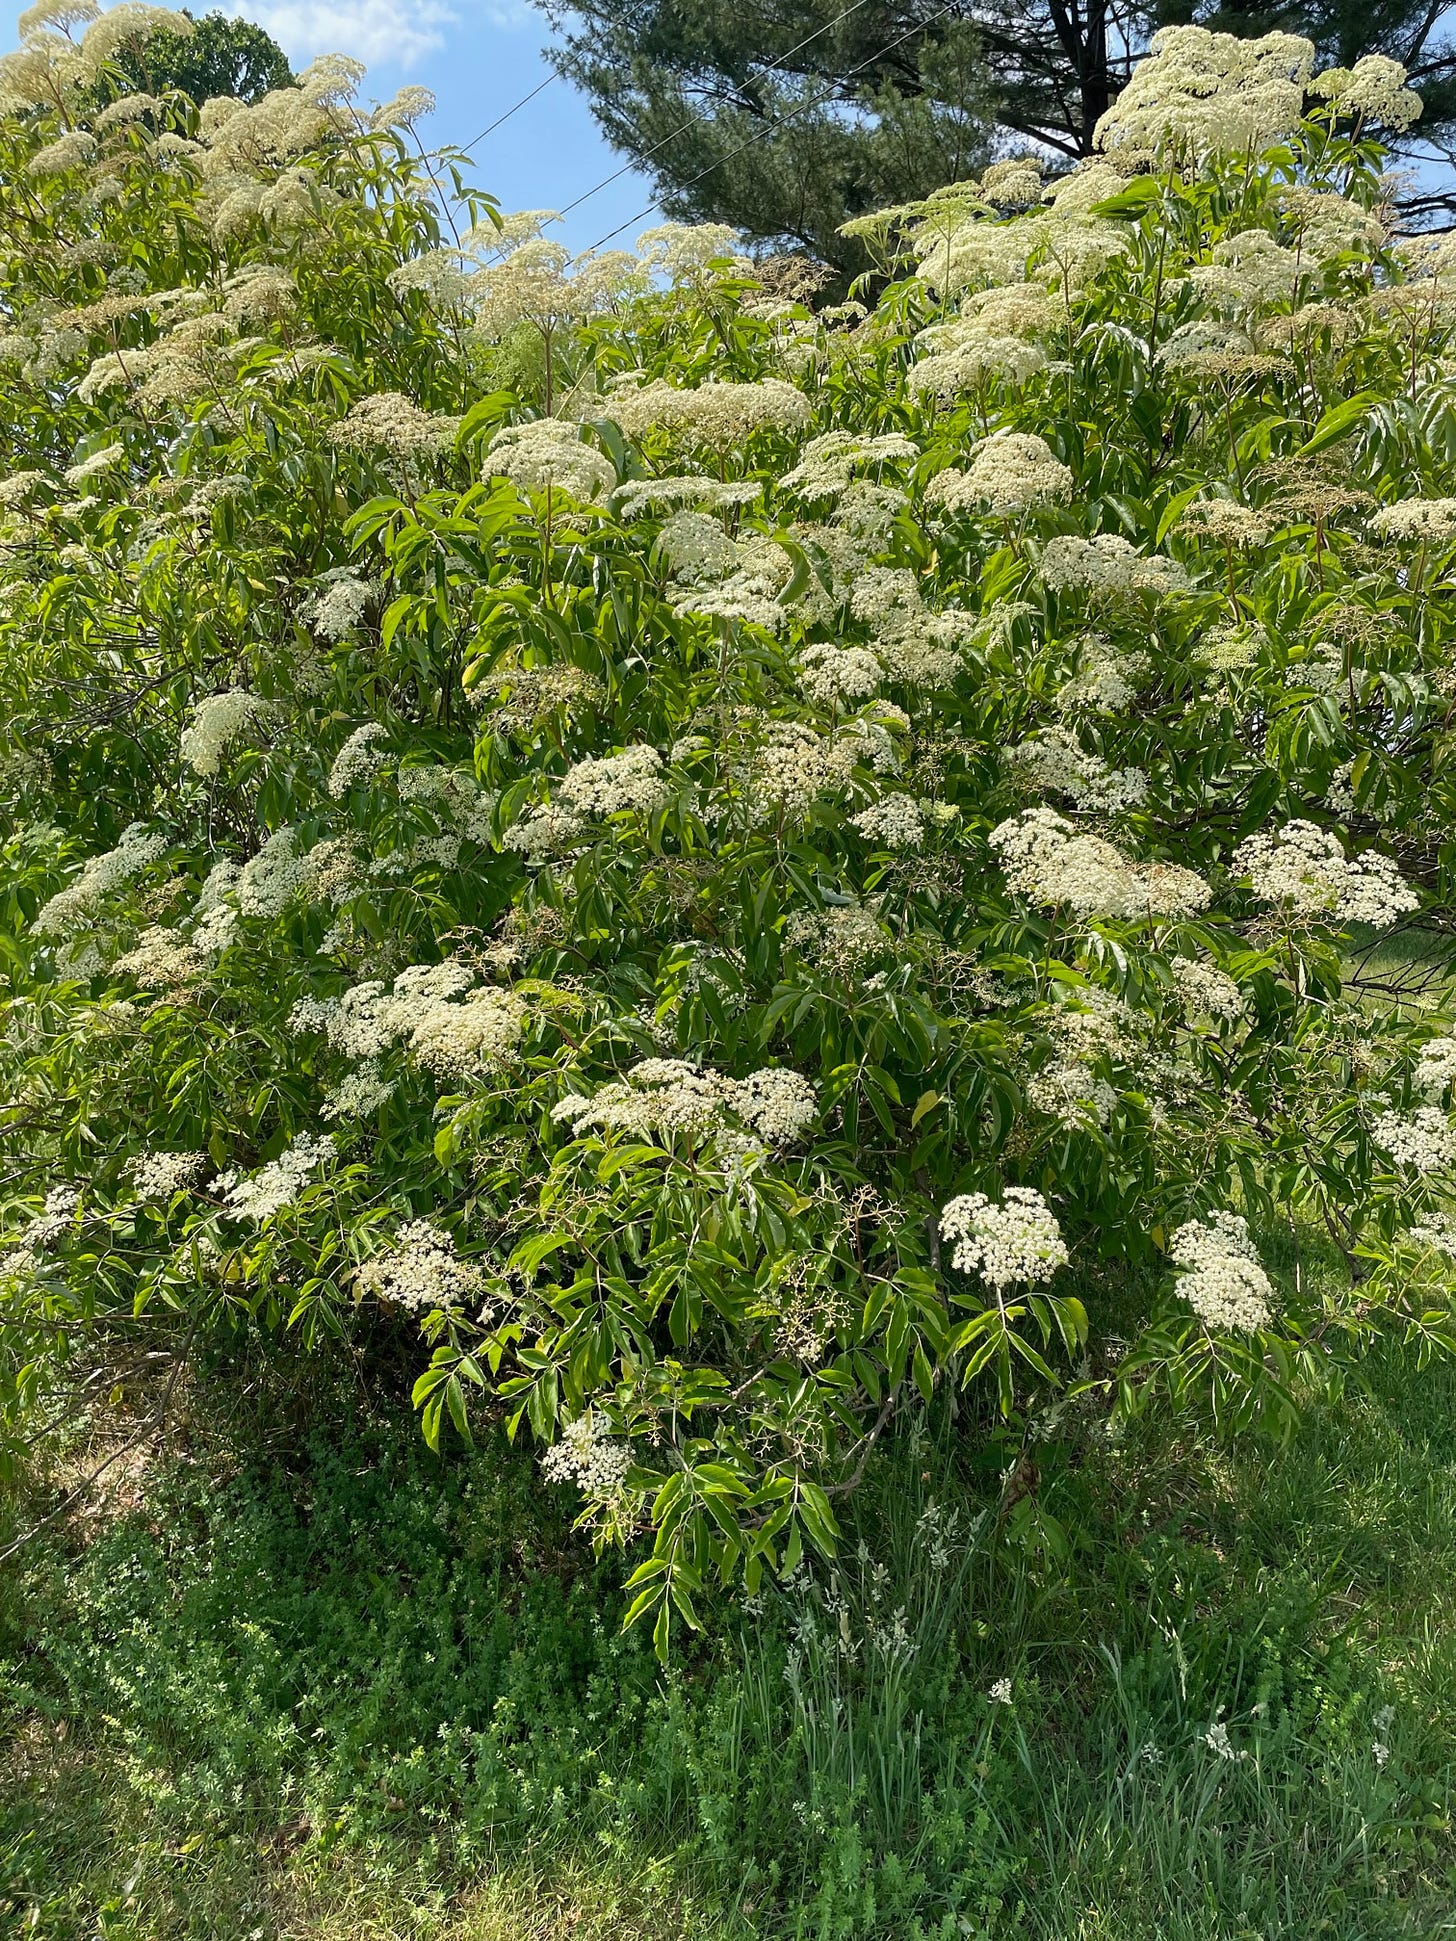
1000 1692
1018 1242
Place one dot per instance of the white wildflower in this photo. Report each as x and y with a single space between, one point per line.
160 1175
1009 472
1018 1242
1204 991
422 1272
258 1196
588 1456
1046 859
358 760
70 908
1304 868
1220 1276
1423 1140
895 820
218 720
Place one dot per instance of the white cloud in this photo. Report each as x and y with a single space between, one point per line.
385 33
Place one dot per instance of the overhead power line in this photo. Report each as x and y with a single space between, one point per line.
769 127
501 120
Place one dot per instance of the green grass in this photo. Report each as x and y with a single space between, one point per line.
318 1683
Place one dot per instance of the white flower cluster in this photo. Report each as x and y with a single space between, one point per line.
163 960
268 882
828 463
71 907
1210 94
421 1271
1435 1067
669 1097
389 421
1374 89
1304 868
336 608
1107 679
840 940
158 1175
258 1196
603 785
550 454
1423 1140
610 784
1204 991
358 760
454 1031
969 352
1054 761
1009 472
1225 522
359 1093
469 1039
588 1456
1426 520
1016 1243
719 416
1249 270
216 721
1220 1276
1047 860
828 674
1108 565
895 820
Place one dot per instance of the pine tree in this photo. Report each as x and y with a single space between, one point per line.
787 119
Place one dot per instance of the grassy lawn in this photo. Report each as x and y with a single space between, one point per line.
302 1679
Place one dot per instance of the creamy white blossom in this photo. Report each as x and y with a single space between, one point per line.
1015 1243
1220 1275
1304 868
259 1195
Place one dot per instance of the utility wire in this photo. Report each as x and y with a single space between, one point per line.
770 127
692 121
501 120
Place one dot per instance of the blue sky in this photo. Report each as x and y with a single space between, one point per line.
479 57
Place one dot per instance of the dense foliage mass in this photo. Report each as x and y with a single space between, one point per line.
732 865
